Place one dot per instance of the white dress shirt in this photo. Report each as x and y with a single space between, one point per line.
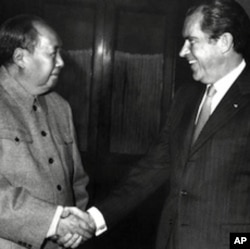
222 86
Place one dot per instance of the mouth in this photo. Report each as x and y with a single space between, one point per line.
191 62
55 74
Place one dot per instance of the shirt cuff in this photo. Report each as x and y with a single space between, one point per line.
54 223
98 218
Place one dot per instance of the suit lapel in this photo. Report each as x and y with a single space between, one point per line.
235 99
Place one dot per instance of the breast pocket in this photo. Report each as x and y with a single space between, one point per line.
64 139
16 136
15 150
65 145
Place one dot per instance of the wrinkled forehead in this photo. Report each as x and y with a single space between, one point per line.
46 33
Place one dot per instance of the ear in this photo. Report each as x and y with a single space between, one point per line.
226 42
19 57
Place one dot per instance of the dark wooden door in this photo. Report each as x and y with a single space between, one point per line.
120 69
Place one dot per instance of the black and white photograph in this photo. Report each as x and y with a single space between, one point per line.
125 124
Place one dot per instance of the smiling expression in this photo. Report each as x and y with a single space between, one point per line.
202 53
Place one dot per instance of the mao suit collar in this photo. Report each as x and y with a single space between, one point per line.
18 93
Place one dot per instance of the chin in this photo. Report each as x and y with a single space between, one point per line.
199 77
52 83
196 77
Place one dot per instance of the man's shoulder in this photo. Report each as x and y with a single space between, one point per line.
10 112
5 99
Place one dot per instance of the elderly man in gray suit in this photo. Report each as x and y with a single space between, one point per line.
41 173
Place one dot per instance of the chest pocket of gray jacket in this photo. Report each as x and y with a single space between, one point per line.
17 136
64 143
63 139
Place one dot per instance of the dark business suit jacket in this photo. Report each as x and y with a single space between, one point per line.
209 182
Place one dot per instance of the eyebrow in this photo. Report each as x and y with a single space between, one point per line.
57 47
188 37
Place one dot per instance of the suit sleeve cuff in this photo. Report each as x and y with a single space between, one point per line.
54 223
98 218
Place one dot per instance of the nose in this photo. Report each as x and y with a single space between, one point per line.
59 60
185 49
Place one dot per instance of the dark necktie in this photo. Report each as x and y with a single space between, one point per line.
204 112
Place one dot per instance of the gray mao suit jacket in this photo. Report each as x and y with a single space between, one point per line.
40 166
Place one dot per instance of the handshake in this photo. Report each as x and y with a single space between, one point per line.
74 227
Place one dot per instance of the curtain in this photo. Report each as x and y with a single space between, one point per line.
136 101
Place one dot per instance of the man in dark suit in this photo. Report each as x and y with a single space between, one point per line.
204 149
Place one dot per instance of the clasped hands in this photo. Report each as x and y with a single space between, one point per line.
74 228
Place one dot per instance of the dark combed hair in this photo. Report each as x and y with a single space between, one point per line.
221 16
17 32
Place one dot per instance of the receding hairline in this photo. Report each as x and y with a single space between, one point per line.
41 25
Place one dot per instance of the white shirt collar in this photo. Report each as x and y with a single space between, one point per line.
226 82
223 84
